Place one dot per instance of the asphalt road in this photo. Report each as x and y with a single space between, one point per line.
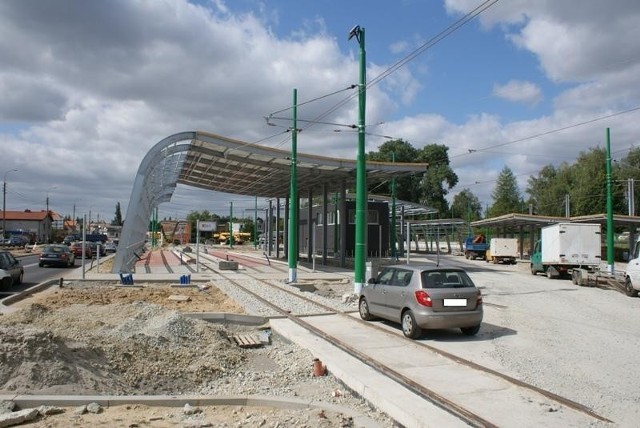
33 274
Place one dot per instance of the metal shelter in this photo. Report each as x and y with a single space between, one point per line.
216 163
532 223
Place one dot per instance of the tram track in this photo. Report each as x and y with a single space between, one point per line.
428 394
266 297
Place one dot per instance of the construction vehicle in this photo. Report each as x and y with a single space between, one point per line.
475 247
502 250
238 237
567 246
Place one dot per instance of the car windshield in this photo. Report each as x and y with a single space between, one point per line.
53 249
445 279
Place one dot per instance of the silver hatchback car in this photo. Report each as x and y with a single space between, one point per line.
423 297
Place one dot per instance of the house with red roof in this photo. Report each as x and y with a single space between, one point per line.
36 225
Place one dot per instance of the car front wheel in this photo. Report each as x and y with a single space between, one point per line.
6 282
363 308
629 290
470 331
410 328
20 278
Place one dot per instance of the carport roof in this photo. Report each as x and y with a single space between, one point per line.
529 220
222 164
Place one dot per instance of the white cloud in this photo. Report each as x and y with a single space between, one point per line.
96 84
518 91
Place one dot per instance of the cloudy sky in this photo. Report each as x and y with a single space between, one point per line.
88 87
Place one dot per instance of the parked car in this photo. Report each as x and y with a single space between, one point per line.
76 249
11 270
70 239
423 297
110 247
94 248
57 255
18 240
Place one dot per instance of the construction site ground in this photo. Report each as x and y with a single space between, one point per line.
97 339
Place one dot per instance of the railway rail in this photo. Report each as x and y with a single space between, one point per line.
269 294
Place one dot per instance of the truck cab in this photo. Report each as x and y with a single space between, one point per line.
632 274
536 258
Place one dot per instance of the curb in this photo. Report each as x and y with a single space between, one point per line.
31 401
28 292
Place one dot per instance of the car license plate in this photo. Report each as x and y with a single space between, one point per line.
455 302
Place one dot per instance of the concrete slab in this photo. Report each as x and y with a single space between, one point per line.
402 405
486 395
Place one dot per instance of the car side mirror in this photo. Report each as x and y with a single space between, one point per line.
372 281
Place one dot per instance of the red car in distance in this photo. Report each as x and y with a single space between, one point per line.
76 249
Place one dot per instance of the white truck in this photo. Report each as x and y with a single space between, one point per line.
503 250
566 246
627 281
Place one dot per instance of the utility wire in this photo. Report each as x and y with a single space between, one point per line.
542 134
434 40
270 116
431 42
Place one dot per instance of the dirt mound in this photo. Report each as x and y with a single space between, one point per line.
137 348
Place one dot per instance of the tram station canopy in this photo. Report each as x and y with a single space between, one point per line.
216 163
226 165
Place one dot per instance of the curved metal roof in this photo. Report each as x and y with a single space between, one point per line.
212 162
231 166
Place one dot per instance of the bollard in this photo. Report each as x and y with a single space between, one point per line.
319 369
61 281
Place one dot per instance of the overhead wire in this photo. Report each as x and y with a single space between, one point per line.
399 64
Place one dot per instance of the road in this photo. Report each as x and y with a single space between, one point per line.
33 274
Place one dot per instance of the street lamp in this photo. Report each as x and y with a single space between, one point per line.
48 236
4 202
361 171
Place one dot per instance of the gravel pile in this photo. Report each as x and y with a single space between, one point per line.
142 348
332 294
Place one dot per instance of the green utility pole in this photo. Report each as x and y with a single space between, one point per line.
610 258
361 172
394 254
293 196
154 227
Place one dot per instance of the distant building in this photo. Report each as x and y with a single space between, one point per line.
37 225
176 231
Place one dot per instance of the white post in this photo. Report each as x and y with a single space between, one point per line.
408 239
198 246
84 239
314 246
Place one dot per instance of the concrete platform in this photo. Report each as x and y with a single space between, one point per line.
491 397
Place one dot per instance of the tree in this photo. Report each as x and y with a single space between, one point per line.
589 190
438 179
506 195
547 191
429 188
466 206
405 186
627 168
117 220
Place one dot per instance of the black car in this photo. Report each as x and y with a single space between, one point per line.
11 270
57 255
